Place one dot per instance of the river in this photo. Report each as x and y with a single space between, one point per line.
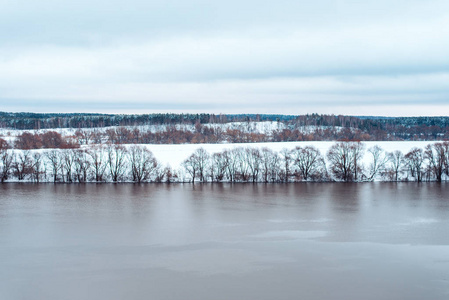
224 241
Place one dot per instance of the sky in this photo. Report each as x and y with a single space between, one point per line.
382 57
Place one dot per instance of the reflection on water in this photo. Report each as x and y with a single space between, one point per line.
224 241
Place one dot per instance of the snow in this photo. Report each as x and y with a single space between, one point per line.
174 155
265 127
250 127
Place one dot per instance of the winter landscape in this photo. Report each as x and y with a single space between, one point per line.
217 150
176 152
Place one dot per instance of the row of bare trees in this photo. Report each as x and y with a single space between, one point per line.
113 163
428 164
186 135
257 165
344 161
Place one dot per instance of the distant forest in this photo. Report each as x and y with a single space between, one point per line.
324 127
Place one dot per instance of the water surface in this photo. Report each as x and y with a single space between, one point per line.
243 241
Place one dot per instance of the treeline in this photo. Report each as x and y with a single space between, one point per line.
380 128
114 163
344 161
328 126
203 134
198 134
33 121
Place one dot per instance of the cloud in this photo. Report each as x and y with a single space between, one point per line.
281 95
188 55
371 50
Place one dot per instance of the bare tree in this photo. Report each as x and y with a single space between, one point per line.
231 163
6 159
358 151
446 150
191 166
197 164
143 163
218 167
436 156
344 159
85 137
308 161
68 159
253 160
378 161
81 165
397 162
169 174
340 161
270 165
286 161
22 164
98 159
38 169
164 174
116 161
415 159
111 135
97 136
54 159
203 163
242 167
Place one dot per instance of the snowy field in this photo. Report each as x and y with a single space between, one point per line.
174 155
247 127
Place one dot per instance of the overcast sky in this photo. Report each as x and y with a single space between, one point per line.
370 57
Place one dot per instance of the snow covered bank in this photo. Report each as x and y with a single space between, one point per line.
266 162
174 155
